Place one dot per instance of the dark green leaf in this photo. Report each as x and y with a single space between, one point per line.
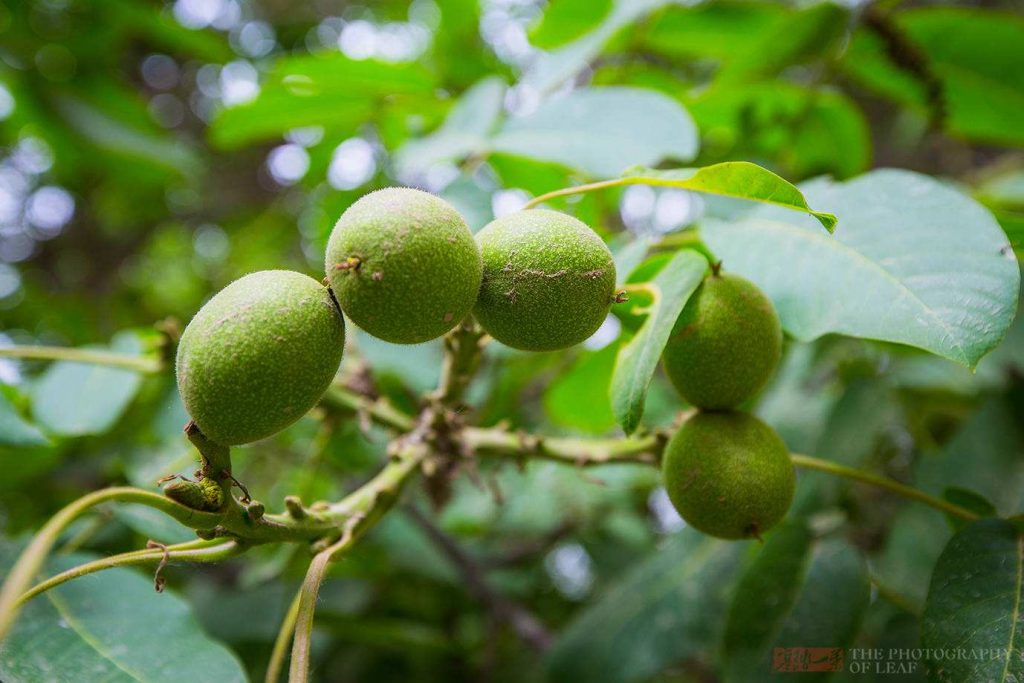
974 604
668 609
978 69
798 592
111 626
637 360
971 500
913 261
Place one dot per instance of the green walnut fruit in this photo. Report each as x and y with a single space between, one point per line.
548 280
403 265
259 355
728 474
725 345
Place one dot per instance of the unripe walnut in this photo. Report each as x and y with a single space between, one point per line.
725 345
548 280
403 265
259 355
728 474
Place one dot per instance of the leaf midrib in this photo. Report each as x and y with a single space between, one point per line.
65 612
873 265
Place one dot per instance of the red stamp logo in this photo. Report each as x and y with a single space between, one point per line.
796 659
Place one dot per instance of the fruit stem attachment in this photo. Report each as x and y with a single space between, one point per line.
462 351
107 358
808 462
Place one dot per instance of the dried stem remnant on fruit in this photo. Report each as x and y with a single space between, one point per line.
259 355
548 280
403 265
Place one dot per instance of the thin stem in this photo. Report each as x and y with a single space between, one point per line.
581 452
379 410
107 358
198 551
284 636
525 624
365 508
462 352
808 462
34 555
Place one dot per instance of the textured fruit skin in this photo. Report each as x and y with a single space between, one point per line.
725 345
548 280
728 474
259 355
417 268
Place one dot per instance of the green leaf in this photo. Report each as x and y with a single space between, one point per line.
670 289
798 592
602 131
74 399
326 89
807 131
589 376
974 603
971 500
668 609
152 524
791 39
565 20
913 261
16 430
549 70
738 179
464 132
114 627
711 29
979 69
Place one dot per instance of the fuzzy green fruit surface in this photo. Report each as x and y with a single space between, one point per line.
548 280
728 474
403 265
259 355
725 345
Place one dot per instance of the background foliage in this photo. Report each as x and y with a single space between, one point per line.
152 152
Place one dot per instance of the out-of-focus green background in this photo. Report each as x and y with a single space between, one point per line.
151 152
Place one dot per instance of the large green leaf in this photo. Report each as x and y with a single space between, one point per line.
738 179
974 604
974 54
602 131
668 609
74 399
913 261
798 592
638 359
111 627
464 132
324 89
